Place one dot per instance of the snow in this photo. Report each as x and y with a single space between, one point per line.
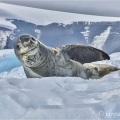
115 56
6 24
86 33
57 97
5 52
3 21
99 41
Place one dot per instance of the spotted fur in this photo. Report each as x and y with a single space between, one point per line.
39 60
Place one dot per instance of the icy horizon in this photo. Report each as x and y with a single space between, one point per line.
44 17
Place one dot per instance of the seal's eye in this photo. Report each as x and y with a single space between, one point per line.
33 38
18 46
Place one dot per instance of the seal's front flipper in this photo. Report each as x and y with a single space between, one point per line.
83 54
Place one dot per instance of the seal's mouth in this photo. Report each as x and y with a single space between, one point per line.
31 51
31 57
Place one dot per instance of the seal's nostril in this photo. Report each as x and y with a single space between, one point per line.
24 37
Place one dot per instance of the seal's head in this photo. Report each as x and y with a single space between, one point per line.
30 51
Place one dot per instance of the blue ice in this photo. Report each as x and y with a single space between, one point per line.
9 62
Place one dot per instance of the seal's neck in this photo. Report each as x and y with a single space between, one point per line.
43 54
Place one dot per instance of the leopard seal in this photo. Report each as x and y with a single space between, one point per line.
39 60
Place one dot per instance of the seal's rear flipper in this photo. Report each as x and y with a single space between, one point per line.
97 71
105 69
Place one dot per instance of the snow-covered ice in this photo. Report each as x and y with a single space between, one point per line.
57 97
